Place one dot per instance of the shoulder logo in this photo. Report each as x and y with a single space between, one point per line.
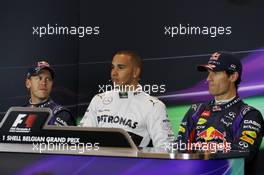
153 101
246 109
100 95
194 107
107 100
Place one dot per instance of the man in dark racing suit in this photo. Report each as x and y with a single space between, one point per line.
39 82
226 118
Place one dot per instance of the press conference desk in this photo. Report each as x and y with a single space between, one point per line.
21 152
146 161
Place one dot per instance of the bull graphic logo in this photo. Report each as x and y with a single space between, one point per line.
43 64
211 134
215 56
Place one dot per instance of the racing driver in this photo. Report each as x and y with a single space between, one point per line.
126 106
39 82
226 118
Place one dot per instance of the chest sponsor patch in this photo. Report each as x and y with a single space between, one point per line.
206 114
117 120
201 121
211 133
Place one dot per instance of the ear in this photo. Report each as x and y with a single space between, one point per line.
234 77
136 72
28 84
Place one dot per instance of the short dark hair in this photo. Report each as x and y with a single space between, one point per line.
237 82
135 57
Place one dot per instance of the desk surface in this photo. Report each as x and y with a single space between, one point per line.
124 152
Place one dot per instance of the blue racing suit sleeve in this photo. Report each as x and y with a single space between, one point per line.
62 117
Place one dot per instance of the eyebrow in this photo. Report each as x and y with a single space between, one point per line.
49 76
120 65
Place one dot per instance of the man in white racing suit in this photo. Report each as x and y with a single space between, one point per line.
128 107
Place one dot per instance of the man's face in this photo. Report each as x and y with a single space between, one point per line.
219 83
40 86
123 70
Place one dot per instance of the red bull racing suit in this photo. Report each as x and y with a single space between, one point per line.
61 116
233 122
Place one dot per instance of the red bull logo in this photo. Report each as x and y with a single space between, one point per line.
215 56
43 64
211 133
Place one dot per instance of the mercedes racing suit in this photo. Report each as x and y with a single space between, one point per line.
233 122
143 116
60 116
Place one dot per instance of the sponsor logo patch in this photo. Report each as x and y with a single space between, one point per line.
201 121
